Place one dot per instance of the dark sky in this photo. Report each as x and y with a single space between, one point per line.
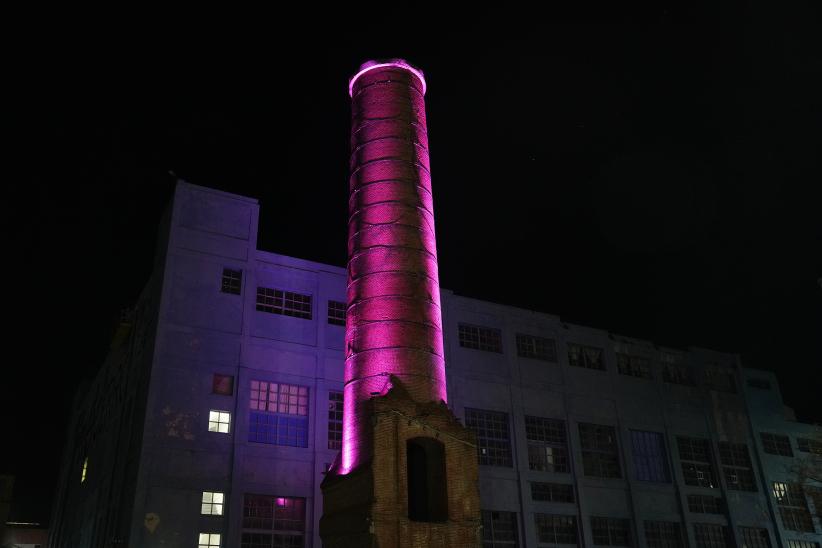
655 174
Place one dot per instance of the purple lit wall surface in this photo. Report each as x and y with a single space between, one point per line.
394 322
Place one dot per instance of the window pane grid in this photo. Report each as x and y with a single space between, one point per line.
634 366
279 414
555 529
286 303
212 503
793 507
273 521
776 444
219 421
232 281
736 466
663 534
336 313
547 445
600 456
650 459
335 420
695 454
209 540
585 356
493 436
611 531
499 529
708 535
754 537
538 348
480 338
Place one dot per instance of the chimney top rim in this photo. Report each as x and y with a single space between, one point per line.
381 63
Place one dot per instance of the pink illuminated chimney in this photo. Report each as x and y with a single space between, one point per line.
394 322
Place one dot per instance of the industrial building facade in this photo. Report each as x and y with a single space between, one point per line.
219 410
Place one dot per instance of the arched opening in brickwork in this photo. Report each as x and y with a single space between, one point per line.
427 485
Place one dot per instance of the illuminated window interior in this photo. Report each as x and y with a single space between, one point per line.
219 421
212 504
85 469
209 540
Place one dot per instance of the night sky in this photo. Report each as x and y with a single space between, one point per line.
653 174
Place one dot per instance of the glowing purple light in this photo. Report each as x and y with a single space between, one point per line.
371 65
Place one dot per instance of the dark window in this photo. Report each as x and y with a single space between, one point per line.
776 444
232 281
709 535
807 445
480 338
223 385
585 356
790 499
427 494
736 466
499 529
279 414
270 521
663 534
720 380
538 348
802 544
336 313
335 420
286 303
650 459
754 537
634 366
600 456
493 436
762 384
815 493
677 374
547 445
552 492
695 454
556 529
611 531
705 504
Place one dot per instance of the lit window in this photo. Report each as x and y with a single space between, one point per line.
499 529
209 540
212 504
538 348
286 303
611 531
776 444
336 313
273 521
793 508
709 535
335 420
480 338
493 436
223 385
279 414
84 470
232 281
634 366
754 537
695 454
650 458
547 445
588 357
600 456
736 465
663 534
219 421
556 529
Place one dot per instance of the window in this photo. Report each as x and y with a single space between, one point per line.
754 537
336 313
547 445
663 534
708 535
493 437
762 384
286 303
273 522
790 499
677 374
695 454
555 529
232 281
209 540
585 356
499 529
600 457
335 420
212 503
223 385
611 531
721 380
480 338
84 470
815 493
552 492
538 348
219 421
802 544
634 366
736 466
705 504
650 459
776 444
807 445
279 414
